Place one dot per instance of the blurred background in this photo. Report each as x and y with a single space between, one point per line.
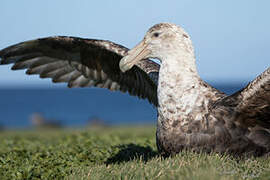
231 39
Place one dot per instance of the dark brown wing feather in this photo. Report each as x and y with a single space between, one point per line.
83 62
251 105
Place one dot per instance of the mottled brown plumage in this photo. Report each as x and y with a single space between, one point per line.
191 114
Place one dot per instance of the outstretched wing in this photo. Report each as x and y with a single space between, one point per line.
252 104
83 63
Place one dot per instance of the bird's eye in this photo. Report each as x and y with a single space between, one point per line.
156 34
185 35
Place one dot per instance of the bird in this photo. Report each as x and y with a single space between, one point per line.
192 115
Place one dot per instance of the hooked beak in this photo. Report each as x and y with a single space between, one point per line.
134 55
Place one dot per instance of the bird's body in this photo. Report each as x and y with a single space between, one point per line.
191 114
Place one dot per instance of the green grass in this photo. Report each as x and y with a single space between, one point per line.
112 153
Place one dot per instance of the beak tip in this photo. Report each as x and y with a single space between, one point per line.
123 70
133 56
122 65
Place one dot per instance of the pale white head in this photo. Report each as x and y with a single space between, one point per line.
160 41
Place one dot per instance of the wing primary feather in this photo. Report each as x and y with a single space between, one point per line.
81 62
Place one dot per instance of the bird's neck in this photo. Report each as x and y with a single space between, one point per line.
179 91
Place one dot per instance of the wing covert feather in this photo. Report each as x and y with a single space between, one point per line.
251 105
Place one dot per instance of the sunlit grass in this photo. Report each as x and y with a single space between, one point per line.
112 153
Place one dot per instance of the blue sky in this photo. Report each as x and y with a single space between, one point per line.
231 38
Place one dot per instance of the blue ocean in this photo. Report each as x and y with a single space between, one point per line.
77 107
